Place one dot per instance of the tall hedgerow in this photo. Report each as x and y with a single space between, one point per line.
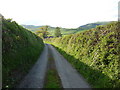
20 50
94 53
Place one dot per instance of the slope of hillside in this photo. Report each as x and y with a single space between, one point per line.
92 25
66 31
32 28
94 53
20 50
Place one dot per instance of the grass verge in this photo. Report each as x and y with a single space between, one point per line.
52 79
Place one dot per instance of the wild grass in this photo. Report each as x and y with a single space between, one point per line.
52 80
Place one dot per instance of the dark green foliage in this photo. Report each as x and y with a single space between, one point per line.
20 50
95 54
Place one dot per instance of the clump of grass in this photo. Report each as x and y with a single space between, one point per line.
52 80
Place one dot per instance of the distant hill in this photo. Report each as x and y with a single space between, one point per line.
92 25
32 28
66 31
83 27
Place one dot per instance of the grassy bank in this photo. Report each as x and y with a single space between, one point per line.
94 53
20 50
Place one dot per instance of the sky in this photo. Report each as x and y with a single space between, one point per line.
61 13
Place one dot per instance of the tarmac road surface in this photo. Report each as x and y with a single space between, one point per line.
70 78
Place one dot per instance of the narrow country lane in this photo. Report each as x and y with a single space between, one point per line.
35 78
69 77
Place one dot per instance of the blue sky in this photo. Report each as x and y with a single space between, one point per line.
63 13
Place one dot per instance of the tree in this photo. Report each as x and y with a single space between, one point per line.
57 32
43 32
9 19
44 28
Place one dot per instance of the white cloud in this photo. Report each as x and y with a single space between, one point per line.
64 13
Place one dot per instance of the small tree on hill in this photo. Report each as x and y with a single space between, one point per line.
44 28
43 32
57 32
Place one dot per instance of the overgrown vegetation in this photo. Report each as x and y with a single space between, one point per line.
20 50
94 53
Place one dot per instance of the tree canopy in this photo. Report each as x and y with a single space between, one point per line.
57 32
43 32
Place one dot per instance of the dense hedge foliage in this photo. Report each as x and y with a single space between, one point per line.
20 50
94 53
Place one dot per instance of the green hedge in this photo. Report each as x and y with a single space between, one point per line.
20 50
94 53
